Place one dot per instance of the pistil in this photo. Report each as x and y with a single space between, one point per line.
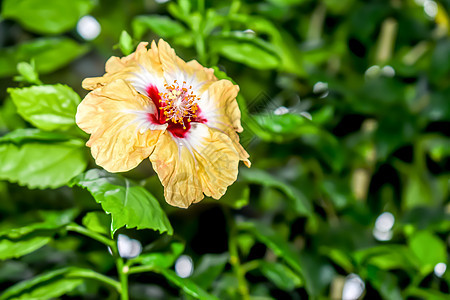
179 103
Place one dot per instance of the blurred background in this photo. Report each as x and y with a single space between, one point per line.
346 114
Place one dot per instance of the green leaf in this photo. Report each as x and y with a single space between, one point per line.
227 287
339 257
126 43
386 257
17 242
245 242
298 200
417 190
185 6
45 164
272 240
97 221
286 124
209 268
282 42
130 205
286 2
438 147
315 274
17 248
237 195
9 118
188 286
421 243
221 74
280 275
49 55
440 62
47 17
161 25
289 126
246 49
27 73
159 259
384 282
51 220
54 284
48 107
13 270
27 135
428 294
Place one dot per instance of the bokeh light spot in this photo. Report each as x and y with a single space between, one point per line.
184 266
88 28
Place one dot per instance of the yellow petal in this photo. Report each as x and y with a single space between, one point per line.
203 162
220 108
194 74
176 170
217 159
126 67
116 116
204 74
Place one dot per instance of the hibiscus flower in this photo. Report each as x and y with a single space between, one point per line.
153 104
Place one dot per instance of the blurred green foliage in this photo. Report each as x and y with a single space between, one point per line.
345 106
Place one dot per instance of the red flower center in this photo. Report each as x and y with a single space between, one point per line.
176 106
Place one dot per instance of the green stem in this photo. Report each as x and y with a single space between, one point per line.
141 269
235 261
234 8
201 6
199 35
386 40
419 154
97 276
251 265
123 277
122 287
200 48
316 23
122 270
93 235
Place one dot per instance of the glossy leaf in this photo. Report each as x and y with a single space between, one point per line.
52 284
49 54
428 294
286 127
188 286
130 205
282 42
161 25
339 257
421 243
38 164
385 282
97 221
209 268
387 257
298 200
126 43
27 73
48 107
159 259
280 275
237 195
47 17
51 220
17 248
246 49
9 118
272 240
28 135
